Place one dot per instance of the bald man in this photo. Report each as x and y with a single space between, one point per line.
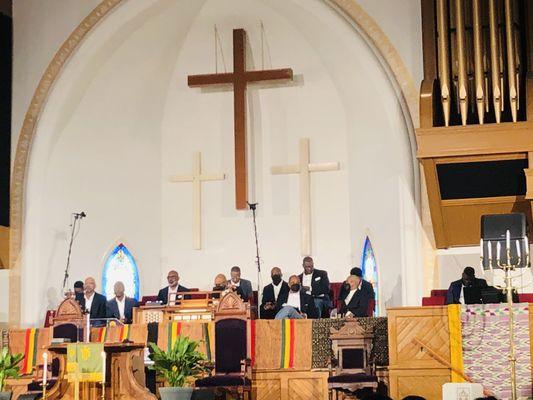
271 293
121 307
357 298
173 287
93 302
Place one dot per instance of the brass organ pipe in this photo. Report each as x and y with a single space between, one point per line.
478 60
511 62
461 57
444 63
495 61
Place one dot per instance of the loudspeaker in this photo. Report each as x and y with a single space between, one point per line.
495 226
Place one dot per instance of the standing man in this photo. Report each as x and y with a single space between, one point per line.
121 307
455 293
296 303
316 283
243 287
271 293
168 294
94 303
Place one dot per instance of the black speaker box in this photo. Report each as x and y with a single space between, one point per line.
495 226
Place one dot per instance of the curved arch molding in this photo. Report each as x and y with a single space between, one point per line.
349 9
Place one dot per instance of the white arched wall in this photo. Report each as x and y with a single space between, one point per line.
121 119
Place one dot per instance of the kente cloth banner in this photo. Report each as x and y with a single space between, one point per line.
84 362
456 342
282 344
124 333
485 339
200 331
30 351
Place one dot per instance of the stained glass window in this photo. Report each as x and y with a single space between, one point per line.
120 266
370 270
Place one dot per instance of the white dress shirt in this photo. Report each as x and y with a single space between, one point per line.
349 297
89 302
306 281
277 289
172 294
121 304
293 300
462 296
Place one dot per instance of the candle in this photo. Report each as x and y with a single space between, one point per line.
45 368
518 253
489 251
103 366
498 250
87 328
508 240
481 247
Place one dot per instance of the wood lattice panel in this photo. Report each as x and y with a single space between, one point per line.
290 385
425 383
429 325
304 389
267 389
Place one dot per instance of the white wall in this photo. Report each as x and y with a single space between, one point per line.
121 120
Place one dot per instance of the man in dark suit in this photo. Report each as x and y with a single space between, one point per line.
367 286
455 293
357 298
93 302
278 288
121 307
243 287
296 303
169 292
316 283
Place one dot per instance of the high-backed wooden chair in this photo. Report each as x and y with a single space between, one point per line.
232 371
352 367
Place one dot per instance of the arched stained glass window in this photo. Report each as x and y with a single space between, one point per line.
370 270
120 266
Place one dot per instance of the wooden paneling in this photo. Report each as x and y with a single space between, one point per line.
425 383
4 247
290 385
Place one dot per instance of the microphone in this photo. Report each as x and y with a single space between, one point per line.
79 215
252 206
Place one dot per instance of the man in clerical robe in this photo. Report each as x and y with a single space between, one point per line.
271 293
455 293
242 287
316 283
169 293
364 285
357 298
92 302
121 307
296 303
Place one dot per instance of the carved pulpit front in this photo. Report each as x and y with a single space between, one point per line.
68 321
232 306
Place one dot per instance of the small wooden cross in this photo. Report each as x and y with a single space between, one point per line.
239 78
304 168
197 178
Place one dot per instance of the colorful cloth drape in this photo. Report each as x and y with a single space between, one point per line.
30 351
287 343
456 345
84 362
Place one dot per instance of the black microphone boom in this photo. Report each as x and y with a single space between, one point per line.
77 216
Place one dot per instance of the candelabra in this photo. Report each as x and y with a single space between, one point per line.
508 266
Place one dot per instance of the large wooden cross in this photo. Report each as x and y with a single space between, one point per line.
240 78
197 178
304 168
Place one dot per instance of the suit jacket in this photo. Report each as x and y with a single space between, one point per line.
162 296
364 285
307 303
244 289
358 304
112 309
454 291
268 297
98 306
319 284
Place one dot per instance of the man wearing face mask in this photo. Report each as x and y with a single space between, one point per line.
296 303
271 293
357 298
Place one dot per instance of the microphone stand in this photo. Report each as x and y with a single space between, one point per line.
73 229
253 207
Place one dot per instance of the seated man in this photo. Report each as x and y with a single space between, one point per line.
364 285
296 303
316 283
455 293
271 293
92 302
121 307
357 298
243 287
220 285
168 294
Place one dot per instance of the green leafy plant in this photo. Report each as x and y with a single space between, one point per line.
9 366
180 363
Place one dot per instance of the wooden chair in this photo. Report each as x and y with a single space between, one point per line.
232 373
353 368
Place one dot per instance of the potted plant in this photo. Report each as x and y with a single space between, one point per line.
8 369
179 365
